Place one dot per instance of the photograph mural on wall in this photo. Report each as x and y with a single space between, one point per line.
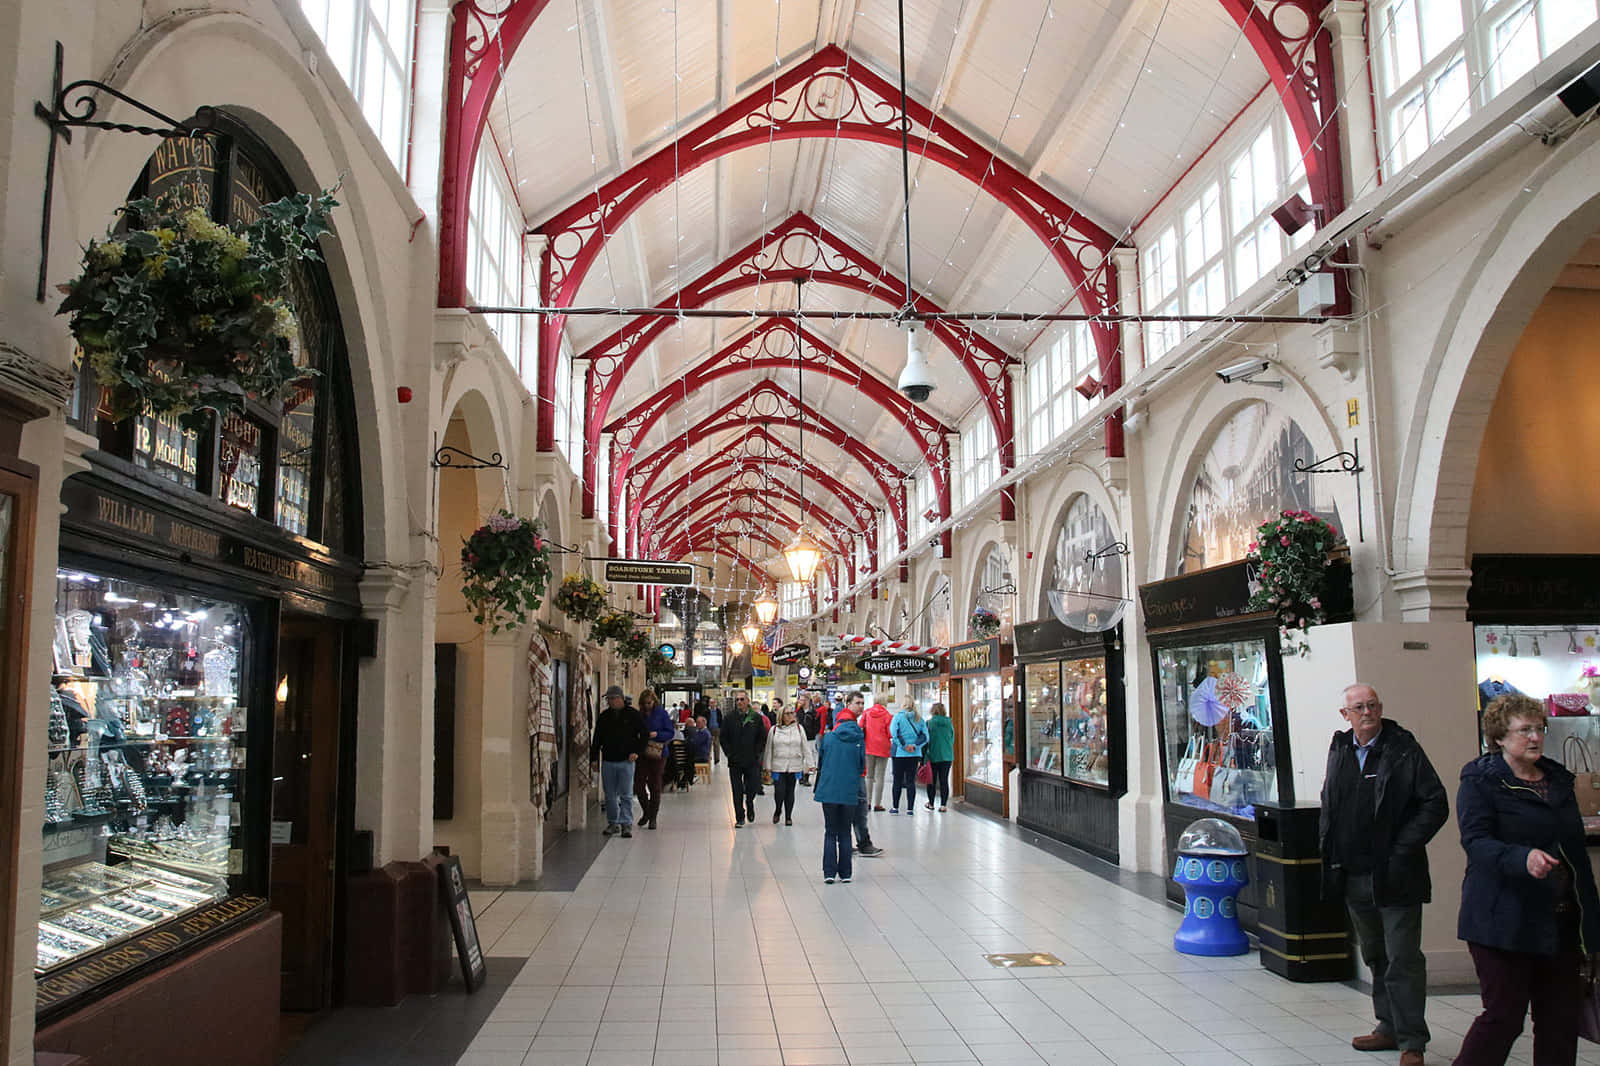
1247 476
1081 530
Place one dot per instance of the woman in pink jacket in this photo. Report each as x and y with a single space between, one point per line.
875 723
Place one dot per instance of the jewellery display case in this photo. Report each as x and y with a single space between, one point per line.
145 789
985 731
1065 705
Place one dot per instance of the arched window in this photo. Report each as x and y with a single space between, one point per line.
294 464
1246 476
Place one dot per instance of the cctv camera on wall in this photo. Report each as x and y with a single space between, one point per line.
1243 371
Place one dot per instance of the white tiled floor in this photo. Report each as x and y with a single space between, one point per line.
699 945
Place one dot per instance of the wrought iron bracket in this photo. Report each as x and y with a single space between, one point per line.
1348 463
1116 547
444 457
75 105
1005 588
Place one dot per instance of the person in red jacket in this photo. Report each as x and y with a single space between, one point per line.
875 723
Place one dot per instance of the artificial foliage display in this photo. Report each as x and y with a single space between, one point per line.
983 622
1292 551
505 566
580 597
180 313
610 626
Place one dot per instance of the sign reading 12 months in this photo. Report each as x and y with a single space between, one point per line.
61 988
648 572
87 506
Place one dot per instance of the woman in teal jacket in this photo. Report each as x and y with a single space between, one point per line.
841 760
909 736
940 752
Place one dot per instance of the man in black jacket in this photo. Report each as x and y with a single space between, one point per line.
620 734
1381 804
744 741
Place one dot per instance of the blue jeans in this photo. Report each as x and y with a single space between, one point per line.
616 778
836 839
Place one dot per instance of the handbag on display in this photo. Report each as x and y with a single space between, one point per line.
1585 781
1228 787
1205 770
1184 779
1567 705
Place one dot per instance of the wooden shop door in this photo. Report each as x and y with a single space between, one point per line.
305 775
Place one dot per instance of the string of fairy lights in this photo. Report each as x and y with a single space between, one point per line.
991 323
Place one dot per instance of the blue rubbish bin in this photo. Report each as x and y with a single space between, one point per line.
1211 868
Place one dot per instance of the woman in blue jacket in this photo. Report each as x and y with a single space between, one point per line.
908 737
841 760
647 780
1529 911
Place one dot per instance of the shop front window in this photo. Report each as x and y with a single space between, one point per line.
146 761
1217 716
1065 706
985 731
1557 665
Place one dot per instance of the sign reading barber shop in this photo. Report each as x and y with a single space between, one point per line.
898 665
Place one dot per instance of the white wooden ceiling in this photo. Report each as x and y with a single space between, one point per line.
1103 102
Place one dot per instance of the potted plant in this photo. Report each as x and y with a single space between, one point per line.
504 567
1293 553
181 313
983 622
580 597
611 625
635 646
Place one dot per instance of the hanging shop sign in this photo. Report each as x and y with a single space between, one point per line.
898 665
1047 637
668 651
1546 588
648 572
792 653
975 657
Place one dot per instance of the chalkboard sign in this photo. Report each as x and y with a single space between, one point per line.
465 927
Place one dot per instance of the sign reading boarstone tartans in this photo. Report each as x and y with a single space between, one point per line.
648 572
898 665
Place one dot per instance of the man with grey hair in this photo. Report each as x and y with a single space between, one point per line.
1381 804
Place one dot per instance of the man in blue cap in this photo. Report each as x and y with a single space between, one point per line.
619 738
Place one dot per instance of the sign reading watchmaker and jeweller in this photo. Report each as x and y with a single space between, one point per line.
792 653
648 572
898 665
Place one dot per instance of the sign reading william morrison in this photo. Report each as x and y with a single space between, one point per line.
648 572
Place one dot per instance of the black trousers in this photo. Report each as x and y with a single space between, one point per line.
744 780
905 779
1511 982
941 780
783 787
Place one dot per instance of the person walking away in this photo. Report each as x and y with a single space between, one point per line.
713 716
909 737
940 753
808 714
864 845
619 738
744 740
652 764
874 722
1381 804
1529 911
841 760
788 755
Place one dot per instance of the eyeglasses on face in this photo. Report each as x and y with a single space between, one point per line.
1369 705
1527 732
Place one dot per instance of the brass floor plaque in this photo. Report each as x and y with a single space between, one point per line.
1023 958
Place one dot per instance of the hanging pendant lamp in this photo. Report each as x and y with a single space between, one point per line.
766 608
752 634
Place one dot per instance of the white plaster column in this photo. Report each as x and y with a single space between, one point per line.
1125 261
511 822
1433 594
394 718
1346 22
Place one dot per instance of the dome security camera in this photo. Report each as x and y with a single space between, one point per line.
916 380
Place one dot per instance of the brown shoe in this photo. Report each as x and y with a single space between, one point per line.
1410 1058
1377 1041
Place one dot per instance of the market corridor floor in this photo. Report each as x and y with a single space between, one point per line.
702 945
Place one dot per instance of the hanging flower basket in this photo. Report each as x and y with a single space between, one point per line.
183 314
505 565
580 597
983 623
635 646
657 667
1293 552
610 626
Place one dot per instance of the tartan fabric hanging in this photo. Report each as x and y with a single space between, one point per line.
578 727
541 719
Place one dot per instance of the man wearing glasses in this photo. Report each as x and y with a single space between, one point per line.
1381 804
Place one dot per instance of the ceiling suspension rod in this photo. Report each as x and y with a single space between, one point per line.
905 158
896 316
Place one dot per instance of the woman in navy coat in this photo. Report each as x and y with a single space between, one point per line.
1529 911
